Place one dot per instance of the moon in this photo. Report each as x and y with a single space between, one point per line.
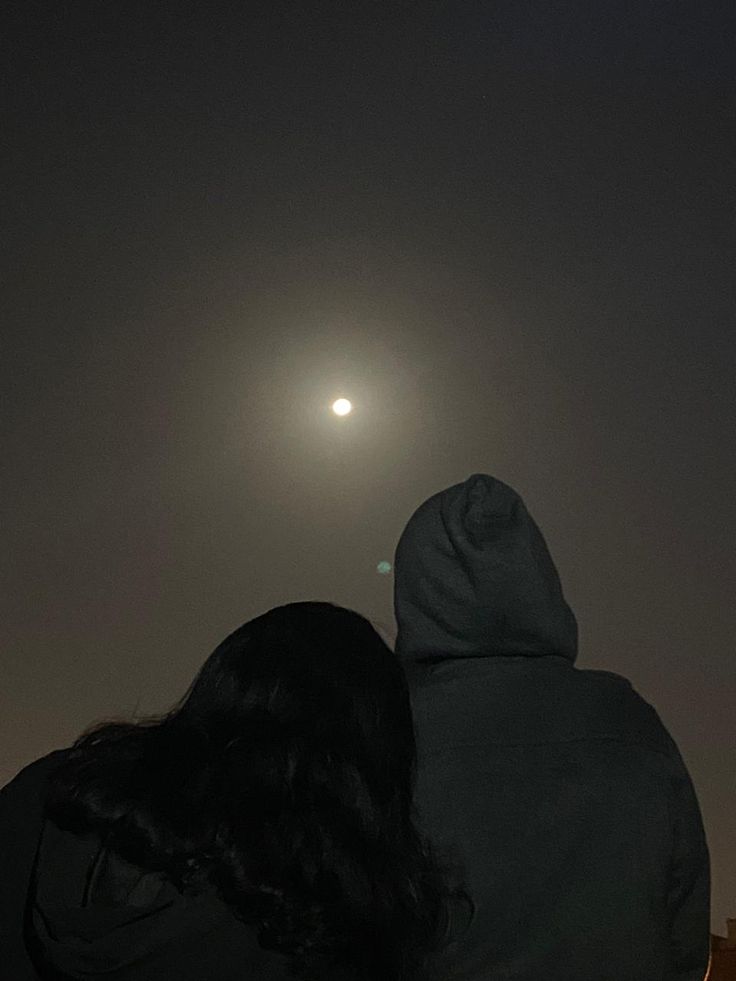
341 407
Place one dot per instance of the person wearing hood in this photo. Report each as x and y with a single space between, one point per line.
261 827
558 789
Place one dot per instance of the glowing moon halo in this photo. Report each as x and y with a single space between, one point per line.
341 407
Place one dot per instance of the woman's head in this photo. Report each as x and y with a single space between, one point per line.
315 678
283 779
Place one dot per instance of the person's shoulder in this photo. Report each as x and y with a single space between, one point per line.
605 679
620 703
21 809
612 688
35 774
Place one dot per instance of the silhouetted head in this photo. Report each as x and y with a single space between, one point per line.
283 779
473 578
316 679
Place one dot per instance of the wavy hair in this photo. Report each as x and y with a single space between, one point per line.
284 779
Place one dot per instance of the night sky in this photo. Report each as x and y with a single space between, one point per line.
504 230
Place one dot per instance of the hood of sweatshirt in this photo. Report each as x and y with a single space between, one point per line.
473 577
93 915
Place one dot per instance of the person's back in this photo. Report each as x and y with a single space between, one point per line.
261 829
559 790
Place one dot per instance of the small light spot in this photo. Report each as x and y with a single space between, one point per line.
341 407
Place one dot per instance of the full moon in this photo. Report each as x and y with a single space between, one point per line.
341 407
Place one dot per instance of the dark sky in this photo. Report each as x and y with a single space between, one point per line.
505 230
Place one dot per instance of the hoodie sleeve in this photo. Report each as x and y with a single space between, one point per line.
689 886
21 806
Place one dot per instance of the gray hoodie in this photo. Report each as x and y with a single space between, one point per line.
558 790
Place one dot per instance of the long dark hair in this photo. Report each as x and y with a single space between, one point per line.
283 778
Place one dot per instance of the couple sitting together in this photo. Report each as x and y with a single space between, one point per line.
317 806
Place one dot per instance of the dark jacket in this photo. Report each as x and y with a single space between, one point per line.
69 909
559 790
